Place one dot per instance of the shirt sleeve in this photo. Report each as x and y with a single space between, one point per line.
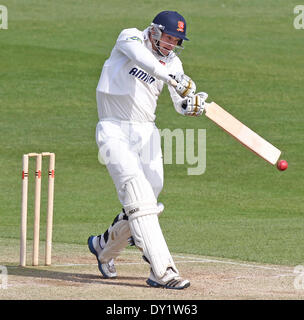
176 98
131 44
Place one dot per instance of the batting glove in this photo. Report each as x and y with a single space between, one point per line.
185 85
194 106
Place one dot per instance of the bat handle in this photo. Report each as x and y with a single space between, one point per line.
172 82
207 104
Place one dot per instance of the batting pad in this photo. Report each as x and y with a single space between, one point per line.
119 235
141 207
117 241
148 237
138 196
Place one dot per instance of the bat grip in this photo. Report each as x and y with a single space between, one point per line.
172 82
206 106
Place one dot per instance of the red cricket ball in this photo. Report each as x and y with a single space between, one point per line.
282 165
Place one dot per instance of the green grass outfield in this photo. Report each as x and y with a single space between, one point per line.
245 54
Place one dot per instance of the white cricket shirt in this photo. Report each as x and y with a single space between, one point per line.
132 79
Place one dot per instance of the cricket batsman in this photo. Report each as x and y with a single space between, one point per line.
140 65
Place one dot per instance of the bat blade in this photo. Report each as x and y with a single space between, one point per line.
242 133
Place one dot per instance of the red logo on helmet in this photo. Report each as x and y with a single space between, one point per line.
181 26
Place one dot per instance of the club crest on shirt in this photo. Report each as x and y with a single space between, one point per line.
134 38
142 75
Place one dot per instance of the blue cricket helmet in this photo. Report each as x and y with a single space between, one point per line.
172 23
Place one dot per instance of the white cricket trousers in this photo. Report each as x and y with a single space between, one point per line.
129 150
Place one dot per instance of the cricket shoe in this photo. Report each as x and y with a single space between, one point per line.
175 282
107 269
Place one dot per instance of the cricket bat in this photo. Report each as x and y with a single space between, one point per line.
239 131
242 133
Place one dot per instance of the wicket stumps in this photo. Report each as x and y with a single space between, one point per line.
49 223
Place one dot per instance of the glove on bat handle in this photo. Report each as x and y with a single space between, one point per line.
173 83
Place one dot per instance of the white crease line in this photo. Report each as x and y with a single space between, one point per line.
235 263
194 260
177 262
116 263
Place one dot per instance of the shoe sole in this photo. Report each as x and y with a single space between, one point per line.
154 284
91 248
